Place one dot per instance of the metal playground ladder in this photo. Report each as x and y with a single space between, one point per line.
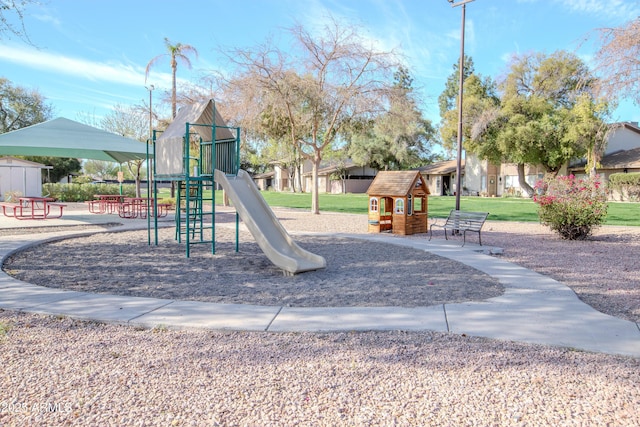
188 159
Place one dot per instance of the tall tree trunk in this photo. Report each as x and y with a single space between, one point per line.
134 168
174 70
138 192
299 177
315 203
594 161
523 182
292 177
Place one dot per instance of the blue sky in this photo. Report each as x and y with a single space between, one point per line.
90 55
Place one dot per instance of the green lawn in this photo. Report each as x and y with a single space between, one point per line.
500 209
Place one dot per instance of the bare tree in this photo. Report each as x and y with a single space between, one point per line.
13 10
618 61
176 52
310 95
131 122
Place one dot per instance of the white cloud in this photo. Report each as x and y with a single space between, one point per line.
48 19
617 9
126 74
614 9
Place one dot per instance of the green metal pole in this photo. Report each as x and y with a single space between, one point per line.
213 181
148 194
236 168
237 232
121 181
237 162
187 189
155 185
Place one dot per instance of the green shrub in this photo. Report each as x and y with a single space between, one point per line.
12 196
168 200
627 185
571 206
83 192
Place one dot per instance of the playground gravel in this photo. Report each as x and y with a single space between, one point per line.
358 273
60 371
602 270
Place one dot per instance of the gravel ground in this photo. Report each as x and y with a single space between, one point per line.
58 371
603 271
358 273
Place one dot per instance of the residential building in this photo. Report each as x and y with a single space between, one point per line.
333 177
621 155
440 177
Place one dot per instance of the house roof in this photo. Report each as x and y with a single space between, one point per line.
632 126
441 168
66 138
331 167
393 183
622 159
264 175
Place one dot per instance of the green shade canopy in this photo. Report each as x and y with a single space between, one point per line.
65 138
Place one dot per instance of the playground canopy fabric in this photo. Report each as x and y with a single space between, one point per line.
169 145
66 138
199 113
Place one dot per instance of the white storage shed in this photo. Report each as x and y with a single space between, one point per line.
20 175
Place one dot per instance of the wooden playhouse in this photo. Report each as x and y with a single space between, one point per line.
398 203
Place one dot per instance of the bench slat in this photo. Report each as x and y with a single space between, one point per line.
462 221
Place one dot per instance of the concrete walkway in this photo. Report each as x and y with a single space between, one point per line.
533 308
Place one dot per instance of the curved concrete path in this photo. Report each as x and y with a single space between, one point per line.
533 308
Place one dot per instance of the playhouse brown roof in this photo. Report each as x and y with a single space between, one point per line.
393 183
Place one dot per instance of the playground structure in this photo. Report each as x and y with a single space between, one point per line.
398 203
196 152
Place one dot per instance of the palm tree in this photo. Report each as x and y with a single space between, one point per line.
177 52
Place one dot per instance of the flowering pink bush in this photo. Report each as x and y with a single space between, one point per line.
571 206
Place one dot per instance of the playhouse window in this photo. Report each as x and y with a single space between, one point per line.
418 204
399 206
373 204
409 205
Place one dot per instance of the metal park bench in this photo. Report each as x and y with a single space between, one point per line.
461 221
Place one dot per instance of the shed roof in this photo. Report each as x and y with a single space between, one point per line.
393 183
9 161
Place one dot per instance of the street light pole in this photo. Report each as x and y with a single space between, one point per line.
460 92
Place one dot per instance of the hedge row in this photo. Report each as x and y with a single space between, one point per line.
626 185
83 192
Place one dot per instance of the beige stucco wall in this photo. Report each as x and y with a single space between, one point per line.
622 139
